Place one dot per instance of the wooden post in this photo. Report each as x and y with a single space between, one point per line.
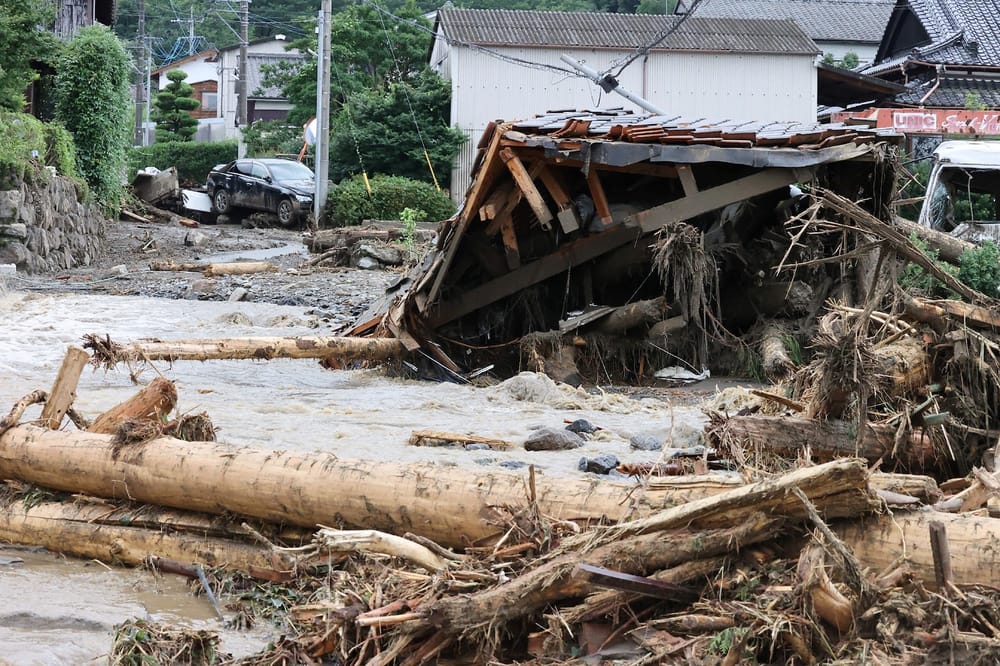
599 197
510 248
568 218
942 556
63 391
528 189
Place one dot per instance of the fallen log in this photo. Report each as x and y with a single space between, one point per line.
948 247
108 353
63 528
449 505
632 315
327 239
239 268
929 311
150 405
171 265
825 440
439 438
773 353
882 541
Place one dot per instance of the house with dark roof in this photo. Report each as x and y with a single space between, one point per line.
838 27
946 53
507 64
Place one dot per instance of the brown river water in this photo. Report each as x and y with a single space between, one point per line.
57 610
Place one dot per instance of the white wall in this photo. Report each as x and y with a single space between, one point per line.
865 52
197 71
699 84
227 70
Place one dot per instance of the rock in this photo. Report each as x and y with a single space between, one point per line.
513 464
238 294
552 439
598 465
477 446
685 436
384 254
200 288
195 239
367 263
560 365
18 230
582 426
645 443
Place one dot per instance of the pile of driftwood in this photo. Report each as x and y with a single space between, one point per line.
380 563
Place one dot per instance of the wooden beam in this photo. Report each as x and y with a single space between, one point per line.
568 218
687 180
599 197
567 256
717 197
63 391
510 247
525 181
496 201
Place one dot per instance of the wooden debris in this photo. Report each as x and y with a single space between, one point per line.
239 268
150 405
438 438
108 353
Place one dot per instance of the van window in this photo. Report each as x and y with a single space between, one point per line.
965 195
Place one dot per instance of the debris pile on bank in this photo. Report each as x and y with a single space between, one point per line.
859 525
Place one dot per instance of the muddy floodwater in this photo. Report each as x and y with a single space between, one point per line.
60 611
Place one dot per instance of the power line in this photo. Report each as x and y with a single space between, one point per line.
644 50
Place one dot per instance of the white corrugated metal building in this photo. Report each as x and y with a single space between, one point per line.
704 68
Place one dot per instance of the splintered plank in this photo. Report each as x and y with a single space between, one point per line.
527 186
599 197
567 215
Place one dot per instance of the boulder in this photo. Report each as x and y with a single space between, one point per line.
552 439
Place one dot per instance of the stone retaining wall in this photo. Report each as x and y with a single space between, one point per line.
44 227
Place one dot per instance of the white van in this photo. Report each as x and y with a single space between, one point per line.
963 191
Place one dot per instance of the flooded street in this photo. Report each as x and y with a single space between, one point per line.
63 611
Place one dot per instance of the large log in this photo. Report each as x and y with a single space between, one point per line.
66 528
259 349
634 314
825 440
63 391
974 542
150 405
446 504
948 247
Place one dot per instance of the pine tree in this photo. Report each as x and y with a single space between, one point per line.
173 103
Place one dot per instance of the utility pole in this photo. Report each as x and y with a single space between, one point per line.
609 83
241 88
322 166
190 24
140 85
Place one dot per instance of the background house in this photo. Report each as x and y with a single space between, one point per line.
214 75
707 68
946 52
203 75
838 27
262 103
71 15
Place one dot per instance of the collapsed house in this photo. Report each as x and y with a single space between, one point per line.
637 239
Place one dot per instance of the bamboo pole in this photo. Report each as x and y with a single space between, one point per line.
445 504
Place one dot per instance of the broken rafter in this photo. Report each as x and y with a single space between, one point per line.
525 182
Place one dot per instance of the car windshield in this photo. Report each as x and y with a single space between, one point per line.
290 171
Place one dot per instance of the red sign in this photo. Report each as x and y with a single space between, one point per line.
929 121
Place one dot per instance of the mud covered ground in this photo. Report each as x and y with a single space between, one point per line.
335 295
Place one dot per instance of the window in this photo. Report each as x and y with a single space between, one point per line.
209 101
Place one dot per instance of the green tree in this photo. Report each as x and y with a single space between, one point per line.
386 128
173 105
22 41
93 102
850 60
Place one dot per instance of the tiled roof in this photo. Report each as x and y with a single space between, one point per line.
505 27
962 32
951 92
612 125
822 20
255 73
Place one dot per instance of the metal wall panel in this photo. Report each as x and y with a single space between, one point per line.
723 85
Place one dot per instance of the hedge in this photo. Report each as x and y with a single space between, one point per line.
349 202
193 160
21 135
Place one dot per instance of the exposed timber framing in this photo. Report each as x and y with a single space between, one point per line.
525 182
717 197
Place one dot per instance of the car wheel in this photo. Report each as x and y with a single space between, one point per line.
286 212
222 202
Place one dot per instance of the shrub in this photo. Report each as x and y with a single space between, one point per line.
193 160
22 136
349 202
93 101
980 268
